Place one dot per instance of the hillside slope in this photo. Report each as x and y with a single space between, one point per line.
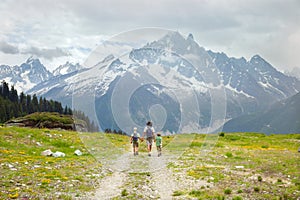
281 117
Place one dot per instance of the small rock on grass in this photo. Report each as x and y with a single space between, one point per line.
58 154
47 152
239 167
78 152
39 144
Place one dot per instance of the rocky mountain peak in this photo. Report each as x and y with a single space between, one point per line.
32 59
190 37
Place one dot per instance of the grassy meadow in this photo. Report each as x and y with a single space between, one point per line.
234 166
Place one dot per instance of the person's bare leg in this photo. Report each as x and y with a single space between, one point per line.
149 150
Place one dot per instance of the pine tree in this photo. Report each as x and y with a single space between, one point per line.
29 108
35 103
22 103
13 94
5 89
41 104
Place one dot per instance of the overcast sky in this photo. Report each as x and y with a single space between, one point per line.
61 30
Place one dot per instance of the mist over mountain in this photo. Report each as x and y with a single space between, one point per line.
173 72
281 117
295 72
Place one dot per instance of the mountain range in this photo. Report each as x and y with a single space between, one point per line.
32 73
172 80
281 117
25 76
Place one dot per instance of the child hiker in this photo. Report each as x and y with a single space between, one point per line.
134 140
158 141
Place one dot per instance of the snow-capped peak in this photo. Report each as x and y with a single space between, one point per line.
175 42
67 68
256 58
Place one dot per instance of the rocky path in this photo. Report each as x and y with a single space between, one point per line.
163 179
110 186
159 181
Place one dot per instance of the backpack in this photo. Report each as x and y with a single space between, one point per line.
135 138
149 132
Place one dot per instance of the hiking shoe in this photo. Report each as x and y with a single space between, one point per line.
137 153
149 154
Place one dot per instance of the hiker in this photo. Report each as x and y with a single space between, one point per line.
158 141
134 140
149 135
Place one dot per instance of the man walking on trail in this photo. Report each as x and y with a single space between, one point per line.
149 135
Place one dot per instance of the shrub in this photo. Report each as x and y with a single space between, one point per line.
227 191
259 178
124 193
256 189
195 193
229 154
222 134
240 191
279 180
264 146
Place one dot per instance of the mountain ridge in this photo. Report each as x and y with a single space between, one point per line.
25 76
280 117
250 85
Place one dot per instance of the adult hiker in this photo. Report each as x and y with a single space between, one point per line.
134 140
149 135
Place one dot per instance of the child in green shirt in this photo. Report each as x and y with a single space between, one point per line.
158 141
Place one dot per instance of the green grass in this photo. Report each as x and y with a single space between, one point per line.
25 173
270 164
47 116
178 193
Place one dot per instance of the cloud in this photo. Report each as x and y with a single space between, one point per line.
8 48
46 53
49 54
240 28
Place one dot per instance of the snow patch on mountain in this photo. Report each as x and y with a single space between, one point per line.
172 68
25 76
67 68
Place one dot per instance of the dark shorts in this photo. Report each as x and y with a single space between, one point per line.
149 140
135 144
158 148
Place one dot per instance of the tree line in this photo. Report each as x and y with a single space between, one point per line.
91 126
13 105
120 132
